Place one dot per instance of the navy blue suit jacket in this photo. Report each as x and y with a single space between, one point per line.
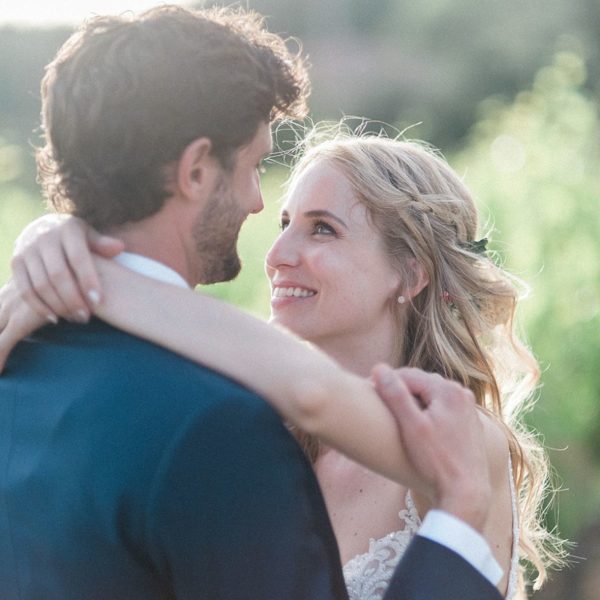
127 472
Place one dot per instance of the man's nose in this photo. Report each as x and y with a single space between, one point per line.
258 203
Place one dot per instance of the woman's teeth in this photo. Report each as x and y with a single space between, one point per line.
281 292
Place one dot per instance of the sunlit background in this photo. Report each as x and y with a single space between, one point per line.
508 91
40 13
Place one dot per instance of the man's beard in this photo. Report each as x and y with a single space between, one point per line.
215 234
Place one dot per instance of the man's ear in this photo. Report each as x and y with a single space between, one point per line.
196 168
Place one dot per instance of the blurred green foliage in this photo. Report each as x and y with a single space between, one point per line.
534 166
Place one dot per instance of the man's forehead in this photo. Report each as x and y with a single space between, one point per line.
262 142
266 139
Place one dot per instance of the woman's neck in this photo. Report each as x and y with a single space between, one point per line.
360 355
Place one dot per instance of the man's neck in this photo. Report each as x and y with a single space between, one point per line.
157 242
150 268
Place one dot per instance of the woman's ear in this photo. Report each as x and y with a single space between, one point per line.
195 170
419 278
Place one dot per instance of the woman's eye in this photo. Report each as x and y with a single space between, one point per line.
283 224
322 228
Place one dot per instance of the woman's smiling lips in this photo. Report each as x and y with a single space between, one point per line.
283 292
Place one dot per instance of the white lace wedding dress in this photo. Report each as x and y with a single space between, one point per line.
368 575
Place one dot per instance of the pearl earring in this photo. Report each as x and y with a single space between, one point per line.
401 299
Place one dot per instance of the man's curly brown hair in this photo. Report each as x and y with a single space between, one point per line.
125 95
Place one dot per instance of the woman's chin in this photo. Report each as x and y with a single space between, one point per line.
279 320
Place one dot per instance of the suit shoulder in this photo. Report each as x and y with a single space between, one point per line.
111 360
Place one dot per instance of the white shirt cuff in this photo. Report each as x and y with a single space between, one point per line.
449 531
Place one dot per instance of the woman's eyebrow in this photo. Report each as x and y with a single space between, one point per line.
325 213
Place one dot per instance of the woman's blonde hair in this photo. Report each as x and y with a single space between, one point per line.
461 325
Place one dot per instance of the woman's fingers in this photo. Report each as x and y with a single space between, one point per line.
84 284
8 341
56 269
27 292
17 320
78 242
104 245
61 281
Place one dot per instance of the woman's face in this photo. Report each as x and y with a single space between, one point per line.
330 276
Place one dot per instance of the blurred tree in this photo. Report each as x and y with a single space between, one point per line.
534 165
23 55
431 62
399 62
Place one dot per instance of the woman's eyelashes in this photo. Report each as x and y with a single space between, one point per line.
323 228
317 227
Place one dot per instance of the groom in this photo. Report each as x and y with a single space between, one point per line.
128 472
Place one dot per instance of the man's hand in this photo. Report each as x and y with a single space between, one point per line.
53 268
443 438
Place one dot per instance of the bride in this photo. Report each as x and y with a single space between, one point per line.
377 261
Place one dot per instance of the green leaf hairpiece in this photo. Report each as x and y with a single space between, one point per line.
476 246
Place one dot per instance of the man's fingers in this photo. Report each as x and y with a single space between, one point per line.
429 386
396 395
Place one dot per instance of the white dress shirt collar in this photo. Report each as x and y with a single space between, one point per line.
150 268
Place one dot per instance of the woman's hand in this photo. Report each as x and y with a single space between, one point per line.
53 269
17 320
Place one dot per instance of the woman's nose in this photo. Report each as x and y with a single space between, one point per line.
284 251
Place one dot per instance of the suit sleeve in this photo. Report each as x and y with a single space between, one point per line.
236 511
430 571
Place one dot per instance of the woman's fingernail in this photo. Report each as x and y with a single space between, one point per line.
94 297
82 316
52 318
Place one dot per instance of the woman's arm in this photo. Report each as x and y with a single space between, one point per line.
312 391
56 276
307 387
302 383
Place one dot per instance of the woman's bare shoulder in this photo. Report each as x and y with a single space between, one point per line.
497 446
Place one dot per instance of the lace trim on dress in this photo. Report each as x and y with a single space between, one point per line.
368 575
